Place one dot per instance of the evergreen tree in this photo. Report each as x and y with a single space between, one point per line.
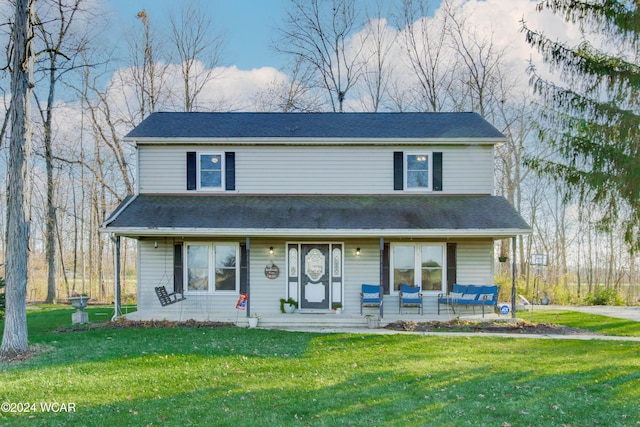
591 116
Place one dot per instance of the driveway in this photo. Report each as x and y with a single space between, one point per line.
630 313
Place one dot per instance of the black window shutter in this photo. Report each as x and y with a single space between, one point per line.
385 269
191 170
178 269
451 266
437 171
230 170
243 269
398 170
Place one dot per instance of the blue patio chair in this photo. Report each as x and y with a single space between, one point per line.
410 296
370 296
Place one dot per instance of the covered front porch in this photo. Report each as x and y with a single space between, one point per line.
319 250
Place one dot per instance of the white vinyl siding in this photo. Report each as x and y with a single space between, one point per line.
316 169
475 262
155 268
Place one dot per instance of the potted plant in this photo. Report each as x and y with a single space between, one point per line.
337 307
79 301
288 305
373 321
253 320
502 258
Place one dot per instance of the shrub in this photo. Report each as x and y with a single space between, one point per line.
603 297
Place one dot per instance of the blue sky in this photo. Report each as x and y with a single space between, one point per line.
248 26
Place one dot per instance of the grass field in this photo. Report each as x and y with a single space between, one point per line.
248 377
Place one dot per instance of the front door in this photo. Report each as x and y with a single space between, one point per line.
315 274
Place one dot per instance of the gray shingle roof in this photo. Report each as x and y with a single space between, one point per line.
316 212
314 125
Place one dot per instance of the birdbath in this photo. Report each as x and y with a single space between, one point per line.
79 303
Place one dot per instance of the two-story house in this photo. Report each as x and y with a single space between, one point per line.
310 206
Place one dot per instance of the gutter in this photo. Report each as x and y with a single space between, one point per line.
270 232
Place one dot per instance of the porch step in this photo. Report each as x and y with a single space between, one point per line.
312 321
346 321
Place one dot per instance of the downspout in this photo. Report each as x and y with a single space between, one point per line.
248 243
117 306
381 276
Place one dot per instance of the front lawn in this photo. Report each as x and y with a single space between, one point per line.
247 377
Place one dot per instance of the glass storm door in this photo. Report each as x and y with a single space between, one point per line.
315 274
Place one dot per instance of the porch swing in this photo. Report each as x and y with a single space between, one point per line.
168 298
165 297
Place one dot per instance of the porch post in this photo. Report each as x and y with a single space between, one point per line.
513 277
381 276
117 306
248 273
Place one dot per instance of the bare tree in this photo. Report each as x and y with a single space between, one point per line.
482 62
379 40
146 73
15 336
54 31
292 95
319 31
196 48
425 40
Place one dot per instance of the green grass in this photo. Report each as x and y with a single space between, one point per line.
248 377
593 322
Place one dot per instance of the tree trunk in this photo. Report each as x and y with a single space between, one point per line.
15 339
51 223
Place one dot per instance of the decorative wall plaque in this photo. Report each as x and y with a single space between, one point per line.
271 271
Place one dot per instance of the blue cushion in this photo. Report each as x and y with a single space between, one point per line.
459 288
488 290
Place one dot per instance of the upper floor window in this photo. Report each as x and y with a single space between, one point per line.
210 171
418 171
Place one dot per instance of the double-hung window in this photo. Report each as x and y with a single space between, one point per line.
210 171
420 264
418 171
212 267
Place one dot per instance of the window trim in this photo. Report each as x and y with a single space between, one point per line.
417 266
211 267
406 171
223 168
